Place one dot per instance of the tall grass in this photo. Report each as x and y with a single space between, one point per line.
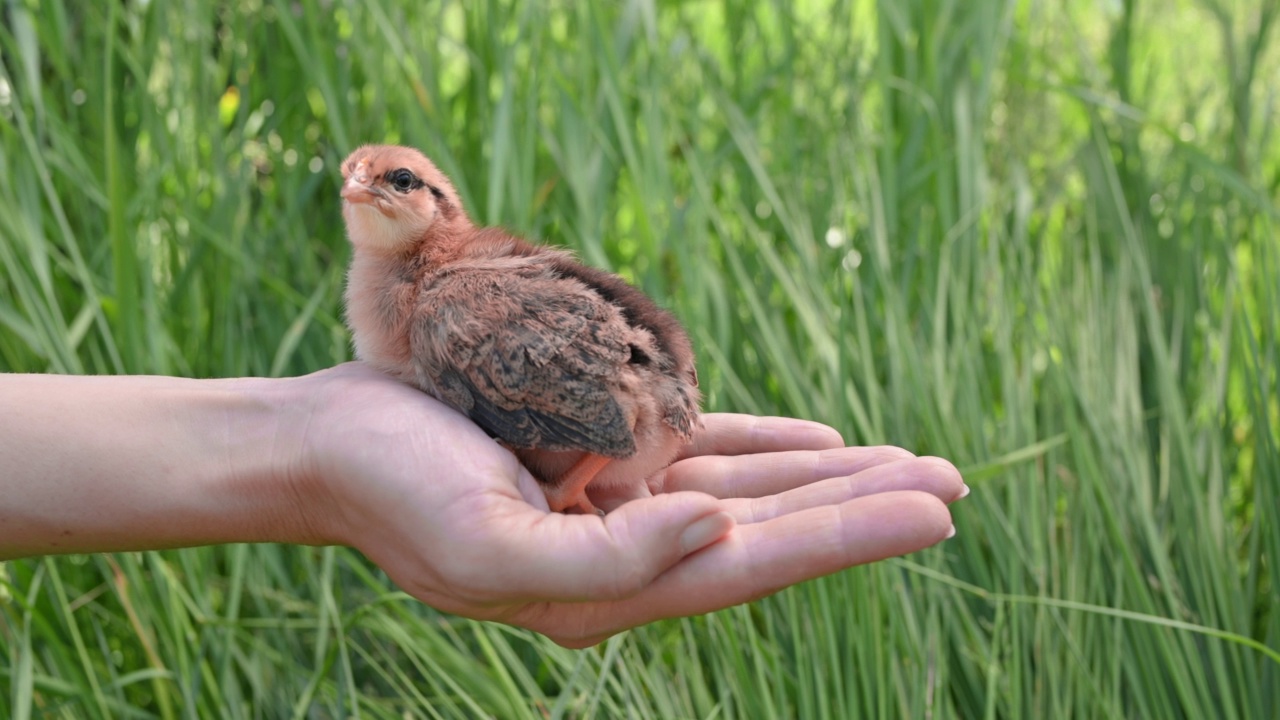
1036 238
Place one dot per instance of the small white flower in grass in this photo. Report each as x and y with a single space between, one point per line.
851 261
835 237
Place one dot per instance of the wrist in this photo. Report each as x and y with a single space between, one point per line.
282 464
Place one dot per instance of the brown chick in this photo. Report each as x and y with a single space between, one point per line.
584 377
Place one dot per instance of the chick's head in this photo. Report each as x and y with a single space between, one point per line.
393 196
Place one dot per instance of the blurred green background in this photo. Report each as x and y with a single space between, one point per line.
1037 238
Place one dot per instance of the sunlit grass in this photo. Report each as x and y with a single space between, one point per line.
1038 240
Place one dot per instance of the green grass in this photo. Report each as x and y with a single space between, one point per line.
1037 238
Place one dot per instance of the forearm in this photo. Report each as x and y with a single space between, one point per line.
95 464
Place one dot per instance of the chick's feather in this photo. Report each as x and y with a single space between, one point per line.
527 357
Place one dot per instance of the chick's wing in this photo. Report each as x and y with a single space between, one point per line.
532 358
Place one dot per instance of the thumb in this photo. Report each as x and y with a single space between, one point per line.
671 525
585 557
649 535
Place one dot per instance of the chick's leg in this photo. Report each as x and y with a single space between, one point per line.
571 491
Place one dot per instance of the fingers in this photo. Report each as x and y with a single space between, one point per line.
768 473
931 475
758 560
558 557
734 434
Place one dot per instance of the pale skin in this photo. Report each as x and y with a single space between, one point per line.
348 456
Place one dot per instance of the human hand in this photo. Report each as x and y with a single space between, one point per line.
752 506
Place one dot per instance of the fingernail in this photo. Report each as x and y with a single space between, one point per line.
705 531
951 533
964 493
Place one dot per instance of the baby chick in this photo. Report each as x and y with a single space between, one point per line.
581 375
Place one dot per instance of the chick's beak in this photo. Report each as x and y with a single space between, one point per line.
356 191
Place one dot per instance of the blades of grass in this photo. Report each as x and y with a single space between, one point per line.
979 473
508 676
329 626
389 668
306 50
1145 618
125 274
292 336
159 674
73 629
22 680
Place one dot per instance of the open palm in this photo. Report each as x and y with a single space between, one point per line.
753 505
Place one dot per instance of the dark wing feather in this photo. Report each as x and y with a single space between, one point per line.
532 360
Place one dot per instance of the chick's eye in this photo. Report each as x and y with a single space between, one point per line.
403 180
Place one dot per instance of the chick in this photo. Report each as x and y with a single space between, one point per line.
581 375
